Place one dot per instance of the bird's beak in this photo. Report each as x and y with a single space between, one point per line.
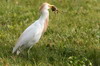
53 8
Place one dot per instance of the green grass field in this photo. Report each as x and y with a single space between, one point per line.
72 38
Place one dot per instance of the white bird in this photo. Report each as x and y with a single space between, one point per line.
33 33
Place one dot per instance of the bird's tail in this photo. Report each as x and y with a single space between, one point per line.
15 50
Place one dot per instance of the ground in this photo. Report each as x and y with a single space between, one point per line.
72 38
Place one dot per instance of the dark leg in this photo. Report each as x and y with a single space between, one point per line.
28 51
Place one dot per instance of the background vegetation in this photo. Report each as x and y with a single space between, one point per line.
72 39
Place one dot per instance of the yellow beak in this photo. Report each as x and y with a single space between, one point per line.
53 8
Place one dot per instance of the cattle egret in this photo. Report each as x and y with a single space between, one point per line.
33 33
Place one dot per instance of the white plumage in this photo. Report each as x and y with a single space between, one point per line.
33 33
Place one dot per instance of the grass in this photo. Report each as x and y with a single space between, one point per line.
72 38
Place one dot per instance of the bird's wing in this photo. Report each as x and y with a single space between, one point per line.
27 35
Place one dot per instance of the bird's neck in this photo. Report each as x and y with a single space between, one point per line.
44 16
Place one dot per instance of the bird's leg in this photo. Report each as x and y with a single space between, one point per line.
28 51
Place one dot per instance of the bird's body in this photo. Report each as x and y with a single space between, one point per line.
33 33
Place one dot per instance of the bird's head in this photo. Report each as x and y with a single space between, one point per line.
46 6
